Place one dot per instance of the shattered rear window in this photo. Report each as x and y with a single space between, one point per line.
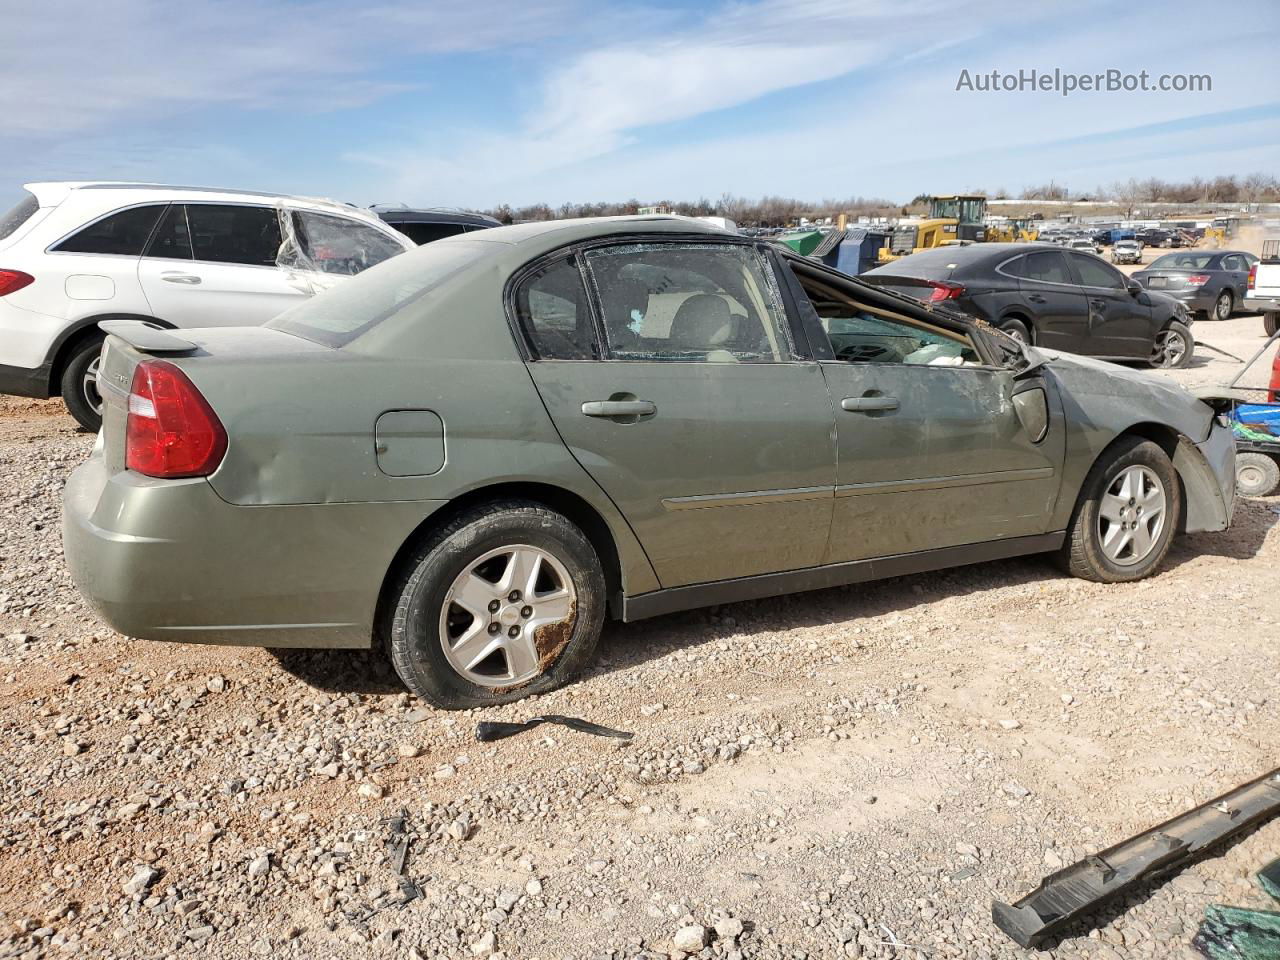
339 315
19 215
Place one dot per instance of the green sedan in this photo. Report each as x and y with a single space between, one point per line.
475 453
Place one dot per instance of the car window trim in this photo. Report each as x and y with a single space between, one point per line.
163 204
528 351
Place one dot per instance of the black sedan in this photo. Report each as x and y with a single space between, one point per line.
1209 282
1054 298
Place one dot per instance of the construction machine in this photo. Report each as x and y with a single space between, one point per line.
951 219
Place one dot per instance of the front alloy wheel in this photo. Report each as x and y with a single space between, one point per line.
1129 509
1173 347
1131 516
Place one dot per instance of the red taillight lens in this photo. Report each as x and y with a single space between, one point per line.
944 291
1198 279
1253 276
171 431
11 280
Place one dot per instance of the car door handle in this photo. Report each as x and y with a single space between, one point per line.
173 276
1036 298
867 404
1100 304
619 408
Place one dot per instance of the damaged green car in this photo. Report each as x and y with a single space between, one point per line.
478 451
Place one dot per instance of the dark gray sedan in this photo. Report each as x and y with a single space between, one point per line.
1210 282
478 451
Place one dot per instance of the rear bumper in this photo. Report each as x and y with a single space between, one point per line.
25 381
170 560
1198 299
1262 304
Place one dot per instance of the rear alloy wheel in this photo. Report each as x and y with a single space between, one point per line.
1223 305
503 602
1173 347
1128 512
1257 475
80 386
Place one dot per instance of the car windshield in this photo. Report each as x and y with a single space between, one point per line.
338 316
1183 261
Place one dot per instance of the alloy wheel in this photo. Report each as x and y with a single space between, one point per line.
1131 515
1222 309
89 385
507 616
1170 347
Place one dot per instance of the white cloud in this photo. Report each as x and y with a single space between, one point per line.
89 65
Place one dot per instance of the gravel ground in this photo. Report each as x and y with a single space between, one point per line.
854 772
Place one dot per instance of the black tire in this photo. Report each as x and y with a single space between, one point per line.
1082 554
1016 329
1165 355
78 392
415 607
1223 306
1257 475
1270 322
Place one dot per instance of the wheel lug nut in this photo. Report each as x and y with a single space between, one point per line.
494 628
514 596
526 612
493 606
513 632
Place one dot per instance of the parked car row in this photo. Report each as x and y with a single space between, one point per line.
1044 295
75 254
641 415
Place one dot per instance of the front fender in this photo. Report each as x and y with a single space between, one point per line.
1208 474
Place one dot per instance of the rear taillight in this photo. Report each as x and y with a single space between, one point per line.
171 431
11 280
944 291
1198 279
1253 276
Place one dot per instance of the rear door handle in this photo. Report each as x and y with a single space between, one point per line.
1036 298
865 404
172 276
619 408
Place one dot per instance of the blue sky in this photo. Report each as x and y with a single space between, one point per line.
519 101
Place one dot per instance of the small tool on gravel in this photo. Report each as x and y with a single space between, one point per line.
487 730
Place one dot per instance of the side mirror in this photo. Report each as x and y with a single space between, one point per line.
1134 287
1032 407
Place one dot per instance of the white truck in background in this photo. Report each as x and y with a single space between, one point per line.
1263 292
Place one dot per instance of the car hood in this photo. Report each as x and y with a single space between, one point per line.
1154 395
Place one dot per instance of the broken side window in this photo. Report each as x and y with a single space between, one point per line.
700 303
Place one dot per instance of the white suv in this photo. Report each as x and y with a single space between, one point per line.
73 254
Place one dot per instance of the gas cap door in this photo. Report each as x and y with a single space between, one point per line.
409 443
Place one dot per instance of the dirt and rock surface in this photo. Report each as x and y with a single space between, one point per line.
849 773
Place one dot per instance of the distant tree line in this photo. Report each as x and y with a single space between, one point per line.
765 212
776 211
